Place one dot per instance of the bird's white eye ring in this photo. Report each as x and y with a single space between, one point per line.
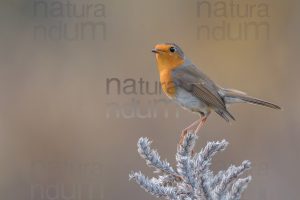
172 49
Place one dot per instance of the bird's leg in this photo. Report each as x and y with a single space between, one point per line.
189 128
202 121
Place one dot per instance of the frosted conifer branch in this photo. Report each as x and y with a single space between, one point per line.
203 159
185 166
230 175
152 157
188 144
238 187
192 179
153 186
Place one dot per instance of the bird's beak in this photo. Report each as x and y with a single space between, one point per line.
155 51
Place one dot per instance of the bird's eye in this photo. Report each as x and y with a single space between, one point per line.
172 49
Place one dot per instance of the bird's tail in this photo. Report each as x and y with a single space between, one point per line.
235 96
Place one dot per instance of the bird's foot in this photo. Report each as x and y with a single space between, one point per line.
198 124
190 128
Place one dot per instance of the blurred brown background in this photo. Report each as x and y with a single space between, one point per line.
64 136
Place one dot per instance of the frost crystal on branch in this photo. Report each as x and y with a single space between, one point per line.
192 180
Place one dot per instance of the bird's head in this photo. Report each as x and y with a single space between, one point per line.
168 56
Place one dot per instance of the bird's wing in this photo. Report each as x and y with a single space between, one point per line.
192 79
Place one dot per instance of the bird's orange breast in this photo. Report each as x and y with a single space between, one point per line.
167 83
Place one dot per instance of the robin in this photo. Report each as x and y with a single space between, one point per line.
187 85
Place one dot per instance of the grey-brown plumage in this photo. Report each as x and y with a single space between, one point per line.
192 79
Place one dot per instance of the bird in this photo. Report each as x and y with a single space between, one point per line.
186 84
